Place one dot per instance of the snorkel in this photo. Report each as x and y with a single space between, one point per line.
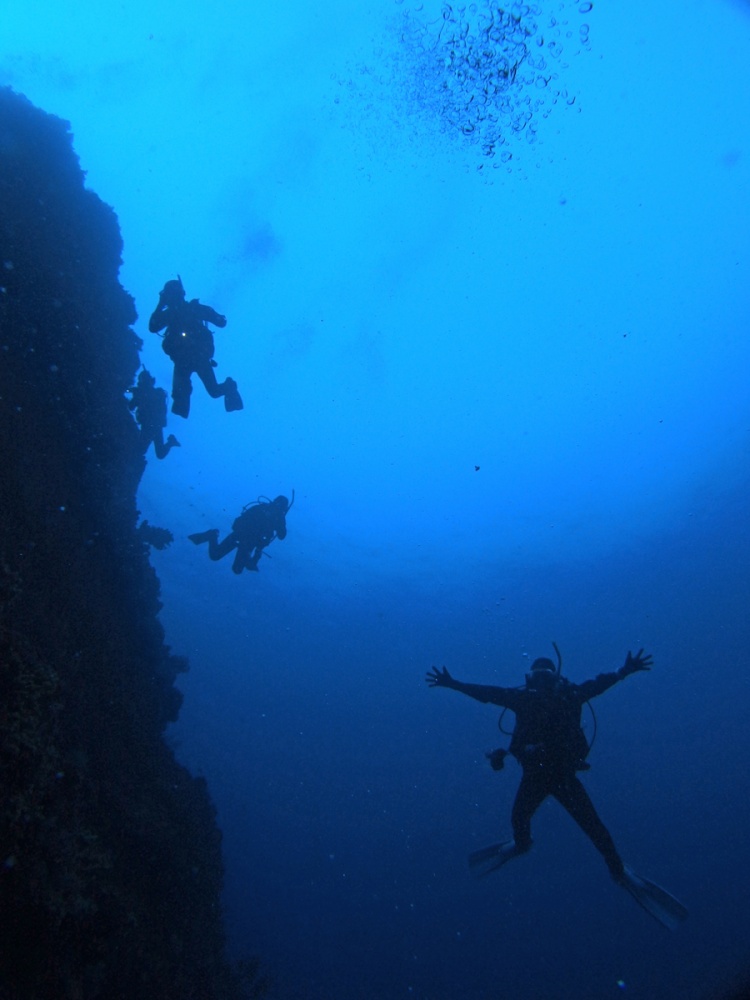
559 659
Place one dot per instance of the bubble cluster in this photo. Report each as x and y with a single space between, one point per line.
486 71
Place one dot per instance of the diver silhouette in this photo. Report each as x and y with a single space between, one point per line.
150 405
549 744
252 531
190 345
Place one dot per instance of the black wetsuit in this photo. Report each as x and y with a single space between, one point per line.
251 532
150 405
190 345
549 744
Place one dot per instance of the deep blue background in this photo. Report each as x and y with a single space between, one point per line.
574 321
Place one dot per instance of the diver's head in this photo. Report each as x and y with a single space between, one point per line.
281 501
543 663
146 378
173 292
543 674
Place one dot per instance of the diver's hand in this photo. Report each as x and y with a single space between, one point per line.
633 664
439 678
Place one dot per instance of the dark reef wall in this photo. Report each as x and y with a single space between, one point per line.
110 861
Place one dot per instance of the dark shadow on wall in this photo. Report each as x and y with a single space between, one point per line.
110 856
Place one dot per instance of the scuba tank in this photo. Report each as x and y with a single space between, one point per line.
261 501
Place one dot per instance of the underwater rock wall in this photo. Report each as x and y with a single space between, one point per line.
110 860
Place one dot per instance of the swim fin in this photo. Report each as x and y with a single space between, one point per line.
204 536
489 859
232 398
661 904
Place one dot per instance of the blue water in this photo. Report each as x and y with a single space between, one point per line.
509 386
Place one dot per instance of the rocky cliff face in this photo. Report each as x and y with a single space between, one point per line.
110 862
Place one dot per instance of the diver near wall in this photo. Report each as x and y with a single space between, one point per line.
549 744
252 531
150 405
190 345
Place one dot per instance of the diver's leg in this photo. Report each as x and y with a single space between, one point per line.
252 558
227 388
531 793
160 446
181 389
205 373
240 559
571 794
217 549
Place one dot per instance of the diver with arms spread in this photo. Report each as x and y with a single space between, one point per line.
549 744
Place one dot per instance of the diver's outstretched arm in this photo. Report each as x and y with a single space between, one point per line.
504 697
632 665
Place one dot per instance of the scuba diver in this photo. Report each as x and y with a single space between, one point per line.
549 744
150 405
190 345
256 527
